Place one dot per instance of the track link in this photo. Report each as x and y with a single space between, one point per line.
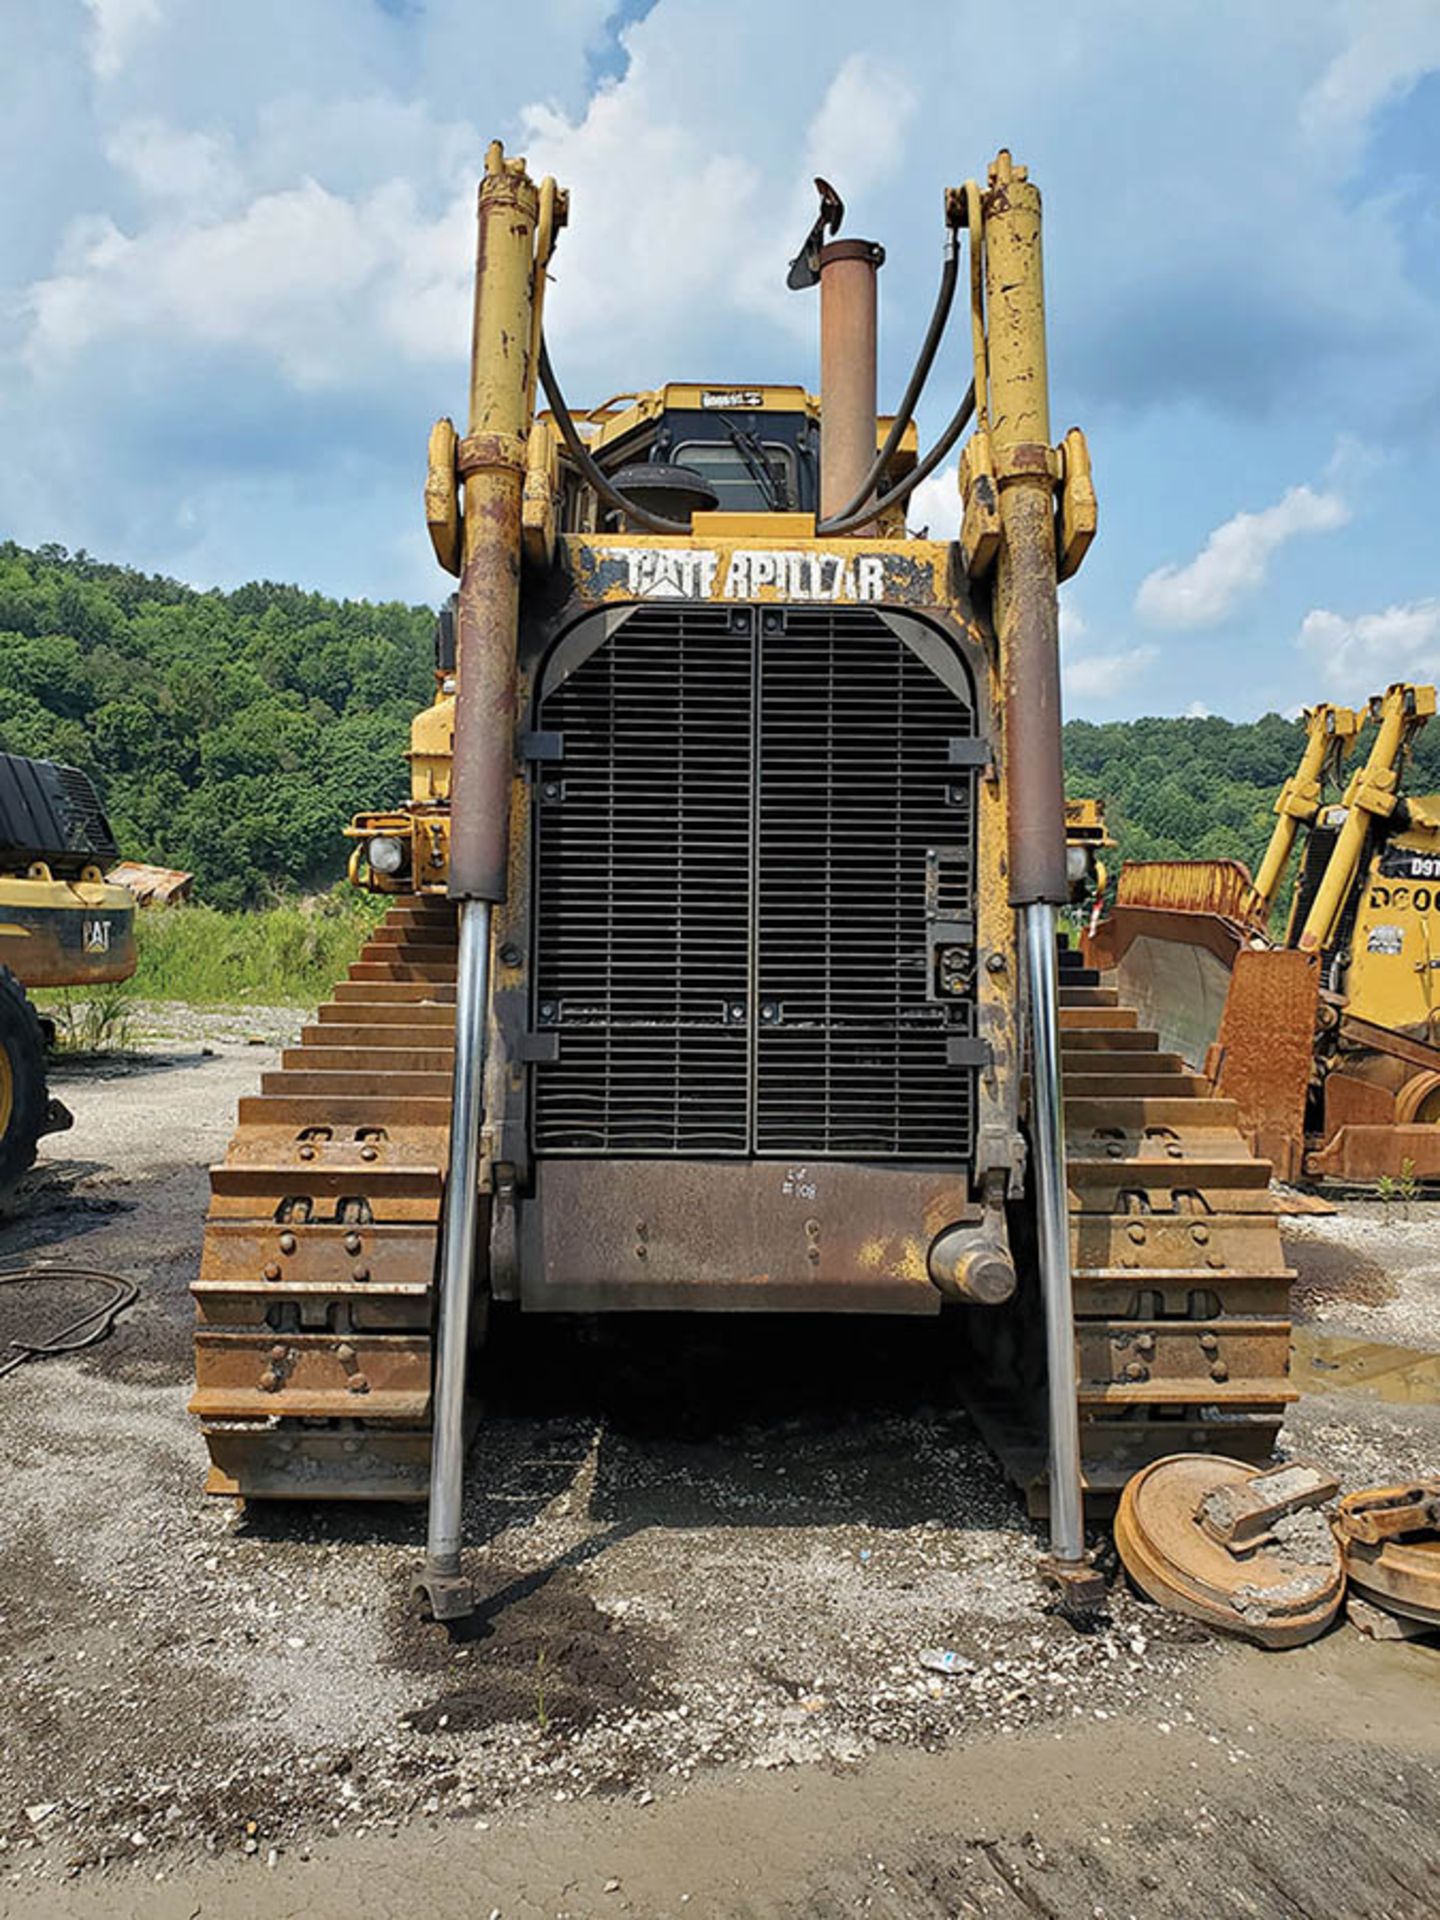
315 1296
1182 1295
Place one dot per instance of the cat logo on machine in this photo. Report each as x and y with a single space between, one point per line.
698 573
97 936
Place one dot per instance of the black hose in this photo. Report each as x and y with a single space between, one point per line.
920 373
850 523
91 1327
655 523
585 460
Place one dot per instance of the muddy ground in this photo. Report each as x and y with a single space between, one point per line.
710 1555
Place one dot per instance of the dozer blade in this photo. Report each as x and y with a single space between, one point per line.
315 1297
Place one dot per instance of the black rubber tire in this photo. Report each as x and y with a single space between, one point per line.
23 1045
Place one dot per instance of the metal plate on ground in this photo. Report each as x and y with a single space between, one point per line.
1390 1537
1279 1590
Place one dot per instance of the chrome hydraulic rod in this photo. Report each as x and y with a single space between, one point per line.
443 1579
1047 1122
491 465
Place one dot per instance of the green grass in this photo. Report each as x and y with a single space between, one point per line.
287 955
94 1022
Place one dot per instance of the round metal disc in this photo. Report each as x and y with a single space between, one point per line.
1401 1574
1279 1593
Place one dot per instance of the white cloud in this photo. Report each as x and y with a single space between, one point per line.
274 277
170 163
935 504
865 93
115 28
1102 676
1197 710
1367 653
1089 676
248 198
1233 561
1390 49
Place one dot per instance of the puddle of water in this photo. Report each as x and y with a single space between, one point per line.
1339 1363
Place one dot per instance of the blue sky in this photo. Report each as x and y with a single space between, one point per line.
236 244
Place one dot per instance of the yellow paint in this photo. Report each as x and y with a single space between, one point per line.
773 527
774 558
33 950
1370 797
1329 738
1398 986
432 741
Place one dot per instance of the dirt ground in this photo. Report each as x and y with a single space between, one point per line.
711 1554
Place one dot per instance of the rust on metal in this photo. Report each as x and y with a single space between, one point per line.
1247 1553
1181 1286
848 270
722 1236
151 886
1266 1050
491 463
1220 887
1390 1537
314 1298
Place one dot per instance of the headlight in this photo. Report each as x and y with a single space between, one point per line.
385 854
1077 864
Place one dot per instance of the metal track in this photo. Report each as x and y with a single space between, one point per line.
1182 1295
315 1297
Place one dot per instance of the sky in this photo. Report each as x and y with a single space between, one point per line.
237 240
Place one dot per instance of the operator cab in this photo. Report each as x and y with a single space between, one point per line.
714 449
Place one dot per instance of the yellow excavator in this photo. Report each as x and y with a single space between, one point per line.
62 924
722 973
1329 1038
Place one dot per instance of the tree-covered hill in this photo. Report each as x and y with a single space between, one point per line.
1202 789
236 733
233 734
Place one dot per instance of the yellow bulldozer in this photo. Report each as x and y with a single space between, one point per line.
1328 1038
62 924
722 972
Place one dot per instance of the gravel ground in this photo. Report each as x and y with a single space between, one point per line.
708 1558
1371 1269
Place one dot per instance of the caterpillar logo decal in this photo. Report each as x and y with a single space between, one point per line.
700 573
97 936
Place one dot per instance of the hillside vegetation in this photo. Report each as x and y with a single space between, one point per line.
232 734
235 734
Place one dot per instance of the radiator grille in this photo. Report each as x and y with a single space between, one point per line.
643 899
855 791
739 862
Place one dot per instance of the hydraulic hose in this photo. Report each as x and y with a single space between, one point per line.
585 461
656 523
920 373
898 494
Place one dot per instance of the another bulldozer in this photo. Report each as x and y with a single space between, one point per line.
1328 1039
61 925
723 970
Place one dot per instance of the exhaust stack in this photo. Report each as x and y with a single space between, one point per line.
848 333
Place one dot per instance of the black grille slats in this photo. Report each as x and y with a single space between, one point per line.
643 899
755 823
855 791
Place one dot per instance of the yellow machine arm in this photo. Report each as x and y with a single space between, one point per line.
1401 711
1330 734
